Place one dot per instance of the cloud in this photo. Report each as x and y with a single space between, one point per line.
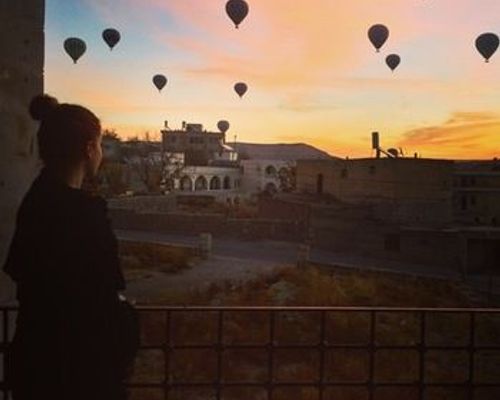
279 44
463 135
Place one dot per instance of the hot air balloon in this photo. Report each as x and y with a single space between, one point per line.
378 35
487 45
240 88
237 10
111 37
393 61
223 126
75 48
159 81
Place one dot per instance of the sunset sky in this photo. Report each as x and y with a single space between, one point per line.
313 76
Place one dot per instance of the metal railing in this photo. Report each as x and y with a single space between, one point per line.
368 351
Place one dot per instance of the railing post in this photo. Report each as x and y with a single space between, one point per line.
371 383
270 365
5 341
167 350
322 344
220 349
422 349
472 352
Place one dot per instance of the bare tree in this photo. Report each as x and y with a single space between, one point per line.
155 169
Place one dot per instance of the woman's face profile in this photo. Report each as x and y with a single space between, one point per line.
94 156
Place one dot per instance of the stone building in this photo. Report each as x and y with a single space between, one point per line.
221 183
476 192
264 175
21 78
401 190
197 145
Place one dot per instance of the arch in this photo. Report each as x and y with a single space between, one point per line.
270 170
186 184
227 182
215 183
201 183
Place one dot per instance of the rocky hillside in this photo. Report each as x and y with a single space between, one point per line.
286 152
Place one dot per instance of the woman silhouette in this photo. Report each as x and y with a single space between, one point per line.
70 340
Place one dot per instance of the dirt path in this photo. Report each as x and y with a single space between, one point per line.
216 269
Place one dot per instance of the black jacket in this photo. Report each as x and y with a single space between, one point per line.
64 260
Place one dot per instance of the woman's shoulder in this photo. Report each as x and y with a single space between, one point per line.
49 199
89 206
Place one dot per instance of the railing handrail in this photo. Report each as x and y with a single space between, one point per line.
377 309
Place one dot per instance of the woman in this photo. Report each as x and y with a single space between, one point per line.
70 341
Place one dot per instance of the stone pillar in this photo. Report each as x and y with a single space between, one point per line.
303 255
21 78
205 245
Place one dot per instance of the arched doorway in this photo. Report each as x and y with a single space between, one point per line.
201 183
186 184
215 183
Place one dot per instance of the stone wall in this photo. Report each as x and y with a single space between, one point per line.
162 204
216 224
21 77
275 208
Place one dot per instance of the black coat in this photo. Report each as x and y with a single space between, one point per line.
64 260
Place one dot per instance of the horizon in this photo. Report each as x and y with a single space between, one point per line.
441 102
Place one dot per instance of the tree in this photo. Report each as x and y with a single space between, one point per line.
111 134
150 164
112 178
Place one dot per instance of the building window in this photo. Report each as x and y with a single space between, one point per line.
227 183
464 203
473 200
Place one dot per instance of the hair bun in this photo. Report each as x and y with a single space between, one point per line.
41 106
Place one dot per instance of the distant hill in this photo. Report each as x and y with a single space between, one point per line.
280 151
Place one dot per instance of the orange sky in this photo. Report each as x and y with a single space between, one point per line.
312 74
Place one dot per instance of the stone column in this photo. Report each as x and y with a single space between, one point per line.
205 245
21 77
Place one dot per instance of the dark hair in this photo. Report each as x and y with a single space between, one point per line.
65 130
